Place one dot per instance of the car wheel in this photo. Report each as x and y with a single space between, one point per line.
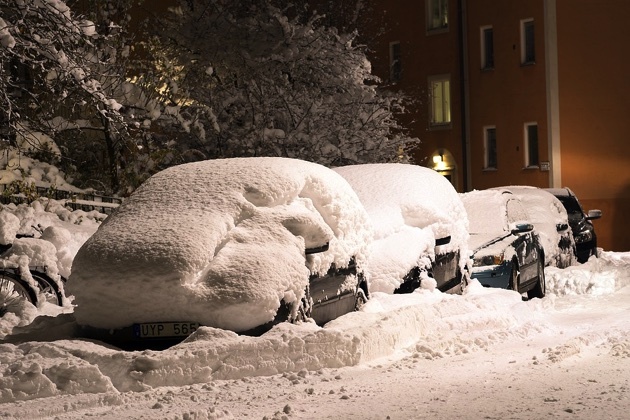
539 290
514 277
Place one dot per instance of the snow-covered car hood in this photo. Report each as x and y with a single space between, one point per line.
218 242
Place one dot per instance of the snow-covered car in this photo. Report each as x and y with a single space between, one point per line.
420 227
237 244
551 221
506 250
580 222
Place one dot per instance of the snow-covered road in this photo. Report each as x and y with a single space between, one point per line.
486 354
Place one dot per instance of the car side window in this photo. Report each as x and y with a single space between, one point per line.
515 211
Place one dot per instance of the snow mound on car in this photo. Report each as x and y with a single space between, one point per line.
219 242
410 207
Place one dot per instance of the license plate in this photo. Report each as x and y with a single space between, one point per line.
164 329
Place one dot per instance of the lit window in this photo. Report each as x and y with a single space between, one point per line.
437 14
531 145
487 47
395 65
440 91
490 147
528 53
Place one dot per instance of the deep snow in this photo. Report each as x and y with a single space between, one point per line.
218 242
484 354
410 207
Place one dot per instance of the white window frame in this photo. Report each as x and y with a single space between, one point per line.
484 54
444 99
524 59
486 148
393 77
442 15
527 143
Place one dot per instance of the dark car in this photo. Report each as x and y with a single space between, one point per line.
506 250
420 227
580 222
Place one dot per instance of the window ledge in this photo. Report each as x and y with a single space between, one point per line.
531 167
437 31
440 126
487 69
489 169
528 64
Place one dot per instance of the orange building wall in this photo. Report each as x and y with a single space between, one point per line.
423 55
594 73
507 96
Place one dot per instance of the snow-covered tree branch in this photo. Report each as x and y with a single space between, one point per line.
279 85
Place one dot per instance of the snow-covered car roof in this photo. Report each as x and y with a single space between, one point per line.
218 242
542 206
410 207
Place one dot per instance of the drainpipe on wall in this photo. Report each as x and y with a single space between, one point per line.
553 100
464 92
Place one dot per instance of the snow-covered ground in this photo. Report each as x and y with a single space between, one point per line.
484 354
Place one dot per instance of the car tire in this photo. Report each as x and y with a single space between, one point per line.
539 290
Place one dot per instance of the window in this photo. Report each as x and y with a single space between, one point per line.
516 212
440 96
487 47
395 65
531 145
490 147
528 53
437 14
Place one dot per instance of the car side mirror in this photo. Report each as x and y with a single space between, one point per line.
317 249
561 227
442 241
594 214
522 228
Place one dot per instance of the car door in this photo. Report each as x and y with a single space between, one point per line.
524 243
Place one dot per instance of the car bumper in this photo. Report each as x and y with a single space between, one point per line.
585 250
493 275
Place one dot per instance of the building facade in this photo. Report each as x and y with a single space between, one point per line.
517 92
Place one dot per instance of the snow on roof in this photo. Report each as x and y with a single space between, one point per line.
218 242
410 207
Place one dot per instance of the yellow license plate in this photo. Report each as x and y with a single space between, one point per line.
164 329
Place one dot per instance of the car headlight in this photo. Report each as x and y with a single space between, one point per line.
585 236
488 260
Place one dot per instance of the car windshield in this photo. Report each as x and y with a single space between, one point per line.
487 212
574 210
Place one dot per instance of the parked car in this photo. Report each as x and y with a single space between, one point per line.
551 221
506 250
580 222
237 244
420 226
